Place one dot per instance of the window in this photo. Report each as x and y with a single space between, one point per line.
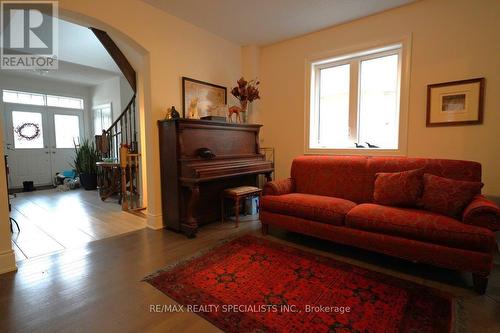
67 130
355 100
103 118
65 102
28 130
20 97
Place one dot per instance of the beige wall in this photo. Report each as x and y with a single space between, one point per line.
451 40
250 70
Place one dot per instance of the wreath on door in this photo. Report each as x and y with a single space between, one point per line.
28 131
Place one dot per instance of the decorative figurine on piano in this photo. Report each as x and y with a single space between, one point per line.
193 109
172 113
246 92
235 110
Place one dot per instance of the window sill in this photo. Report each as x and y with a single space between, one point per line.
356 151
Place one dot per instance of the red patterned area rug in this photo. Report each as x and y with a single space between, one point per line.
255 285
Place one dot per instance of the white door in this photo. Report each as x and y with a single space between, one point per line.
40 142
67 127
27 145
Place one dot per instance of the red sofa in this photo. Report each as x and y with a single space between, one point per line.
331 197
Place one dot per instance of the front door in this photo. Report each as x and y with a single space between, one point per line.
27 145
39 142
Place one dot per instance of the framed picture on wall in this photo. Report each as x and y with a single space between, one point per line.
455 103
202 99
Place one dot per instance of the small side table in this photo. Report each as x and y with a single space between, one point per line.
108 179
236 194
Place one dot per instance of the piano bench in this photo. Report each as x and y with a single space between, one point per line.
237 194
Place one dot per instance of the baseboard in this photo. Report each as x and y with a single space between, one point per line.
15 190
154 221
7 262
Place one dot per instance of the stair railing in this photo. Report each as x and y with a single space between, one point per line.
123 131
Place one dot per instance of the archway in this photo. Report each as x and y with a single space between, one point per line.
138 57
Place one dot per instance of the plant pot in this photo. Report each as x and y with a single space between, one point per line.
88 181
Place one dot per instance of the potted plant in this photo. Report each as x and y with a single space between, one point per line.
86 156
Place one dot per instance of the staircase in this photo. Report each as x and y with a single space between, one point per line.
119 171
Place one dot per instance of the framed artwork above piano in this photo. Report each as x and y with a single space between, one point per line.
202 99
198 160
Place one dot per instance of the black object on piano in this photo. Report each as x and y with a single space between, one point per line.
205 153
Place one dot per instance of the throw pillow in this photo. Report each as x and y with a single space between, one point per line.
398 188
448 196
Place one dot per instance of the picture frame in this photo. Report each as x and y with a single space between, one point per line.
203 98
455 103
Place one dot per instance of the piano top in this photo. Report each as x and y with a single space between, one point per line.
208 122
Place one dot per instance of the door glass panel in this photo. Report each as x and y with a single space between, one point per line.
28 130
67 130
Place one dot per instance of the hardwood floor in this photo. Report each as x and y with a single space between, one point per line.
52 221
98 288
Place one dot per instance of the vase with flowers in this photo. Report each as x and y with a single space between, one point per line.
246 92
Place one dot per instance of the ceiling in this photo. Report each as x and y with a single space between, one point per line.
260 22
79 45
82 58
68 72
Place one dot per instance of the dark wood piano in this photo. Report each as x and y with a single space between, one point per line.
198 160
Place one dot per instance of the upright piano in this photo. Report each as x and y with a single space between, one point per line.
198 160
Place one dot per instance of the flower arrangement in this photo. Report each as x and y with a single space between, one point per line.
246 91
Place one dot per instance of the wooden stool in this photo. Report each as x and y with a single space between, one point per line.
238 193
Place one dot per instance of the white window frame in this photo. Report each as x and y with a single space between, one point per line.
17 92
82 102
44 96
100 107
353 56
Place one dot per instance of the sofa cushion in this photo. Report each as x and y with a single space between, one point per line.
398 188
334 176
420 225
448 196
308 206
454 169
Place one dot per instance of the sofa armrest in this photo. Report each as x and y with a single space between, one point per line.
483 213
279 187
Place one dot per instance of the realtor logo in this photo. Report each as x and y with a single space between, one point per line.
29 35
